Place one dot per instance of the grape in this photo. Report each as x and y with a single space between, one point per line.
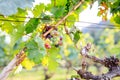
61 38
47 46
49 36
48 27
60 43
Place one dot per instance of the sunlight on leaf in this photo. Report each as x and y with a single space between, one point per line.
45 61
28 64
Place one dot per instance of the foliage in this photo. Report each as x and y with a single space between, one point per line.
51 50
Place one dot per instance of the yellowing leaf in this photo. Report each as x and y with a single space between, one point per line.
68 40
58 57
8 27
67 52
109 40
40 28
59 2
45 61
38 9
28 64
53 64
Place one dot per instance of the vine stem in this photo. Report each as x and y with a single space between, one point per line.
60 21
15 62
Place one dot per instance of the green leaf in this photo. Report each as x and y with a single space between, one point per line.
21 13
59 2
76 36
115 8
2 54
40 43
75 1
7 27
52 64
46 18
72 18
38 9
16 34
113 1
115 51
31 25
36 50
53 53
117 19
58 11
35 55
2 43
99 13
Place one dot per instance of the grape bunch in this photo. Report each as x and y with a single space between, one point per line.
46 28
111 62
53 38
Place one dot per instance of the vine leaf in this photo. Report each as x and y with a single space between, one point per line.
58 11
117 19
16 35
53 53
36 50
58 2
53 64
21 13
7 28
76 36
40 43
38 9
73 17
31 25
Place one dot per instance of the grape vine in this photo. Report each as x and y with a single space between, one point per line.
45 34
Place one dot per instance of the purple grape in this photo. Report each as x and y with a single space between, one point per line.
61 38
